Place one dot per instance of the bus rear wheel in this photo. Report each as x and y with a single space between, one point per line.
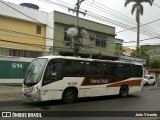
123 91
69 95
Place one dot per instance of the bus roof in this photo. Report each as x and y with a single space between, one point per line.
84 59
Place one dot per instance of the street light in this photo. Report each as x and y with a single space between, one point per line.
83 33
72 32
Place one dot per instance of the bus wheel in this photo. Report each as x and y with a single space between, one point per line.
69 95
123 91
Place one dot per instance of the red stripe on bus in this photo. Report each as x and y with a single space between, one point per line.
129 83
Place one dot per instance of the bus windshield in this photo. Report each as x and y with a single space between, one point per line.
34 72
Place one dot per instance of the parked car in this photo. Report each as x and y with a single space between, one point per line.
149 80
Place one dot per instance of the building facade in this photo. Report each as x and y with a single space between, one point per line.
28 32
99 42
152 50
24 31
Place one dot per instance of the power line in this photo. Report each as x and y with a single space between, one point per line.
61 32
113 10
125 26
105 19
28 16
100 50
122 25
58 41
110 11
16 32
144 30
140 25
35 45
26 44
156 5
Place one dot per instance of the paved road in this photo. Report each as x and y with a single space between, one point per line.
148 100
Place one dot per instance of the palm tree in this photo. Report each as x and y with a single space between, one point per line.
138 7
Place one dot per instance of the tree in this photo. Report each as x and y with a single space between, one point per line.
155 62
138 7
118 49
141 53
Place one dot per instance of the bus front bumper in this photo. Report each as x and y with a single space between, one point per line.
33 96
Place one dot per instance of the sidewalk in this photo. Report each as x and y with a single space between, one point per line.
10 92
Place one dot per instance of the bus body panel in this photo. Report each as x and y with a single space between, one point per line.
86 86
55 90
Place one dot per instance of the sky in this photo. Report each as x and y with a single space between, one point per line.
113 13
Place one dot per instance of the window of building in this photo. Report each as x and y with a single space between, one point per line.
12 52
17 53
36 54
100 41
38 29
24 53
4 51
66 37
28 54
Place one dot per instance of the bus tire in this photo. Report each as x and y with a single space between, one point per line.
69 95
123 91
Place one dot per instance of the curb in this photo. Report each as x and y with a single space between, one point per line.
11 84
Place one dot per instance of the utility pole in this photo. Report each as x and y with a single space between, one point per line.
78 7
77 10
78 36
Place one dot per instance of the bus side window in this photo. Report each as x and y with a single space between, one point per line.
136 71
97 68
106 69
87 68
113 69
53 73
93 68
124 70
68 66
78 68
58 71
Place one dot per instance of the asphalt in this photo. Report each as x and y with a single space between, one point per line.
10 92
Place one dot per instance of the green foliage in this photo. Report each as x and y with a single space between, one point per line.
138 8
141 53
155 62
118 49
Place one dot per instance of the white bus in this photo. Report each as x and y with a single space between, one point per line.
70 78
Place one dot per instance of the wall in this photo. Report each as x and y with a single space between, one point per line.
21 34
63 20
32 13
23 19
13 69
